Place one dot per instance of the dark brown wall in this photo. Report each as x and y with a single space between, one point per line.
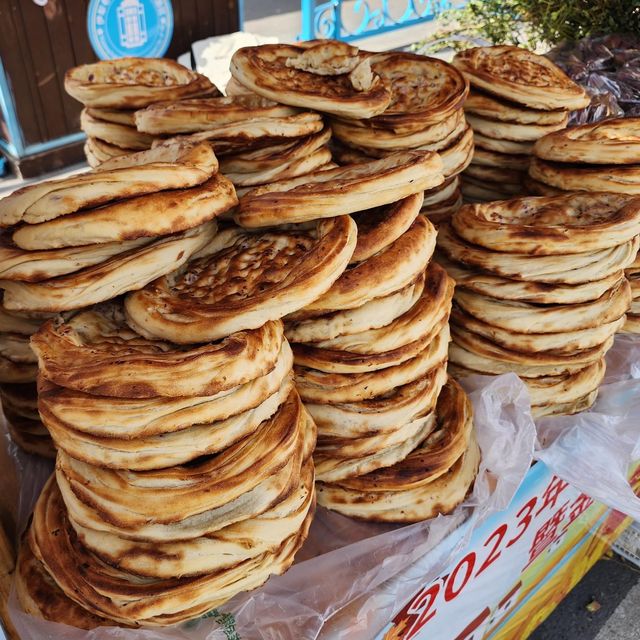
38 44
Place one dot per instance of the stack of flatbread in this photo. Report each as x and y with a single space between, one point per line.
377 104
257 140
112 90
70 243
604 156
184 473
516 98
541 291
370 353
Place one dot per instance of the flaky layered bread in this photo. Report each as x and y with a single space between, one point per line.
98 151
360 135
560 343
432 479
520 76
570 269
524 291
481 190
22 399
215 552
424 91
380 227
258 132
499 145
34 266
185 502
131 219
501 130
244 279
537 188
527 318
137 418
333 388
22 323
614 142
330 76
202 114
165 449
117 275
119 135
570 177
486 158
121 596
168 166
488 106
96 352
117 116
342 190
442 192
332 361
457 157
40 596
374 314
442 212
496 175
133 83
274 156
574 223
384 273
30 435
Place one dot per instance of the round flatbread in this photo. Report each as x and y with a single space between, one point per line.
520 76
575 223
122 273
117 116
496 175
501 130
119 135
614 142
99 151
134 219
342 190
500 145
96 352
487 106
569 177
203 114
330 76
244 279
486 158
571 269
167 166
133 83
424 91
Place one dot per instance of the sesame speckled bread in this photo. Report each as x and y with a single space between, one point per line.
133 83
434 478
488 106
202 114
96 352
133 218
570 269
342 190
614 142
168 166
520 76
620 178
244 279
574 223
332 77
122 273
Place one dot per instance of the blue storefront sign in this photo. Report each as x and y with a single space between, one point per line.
120 28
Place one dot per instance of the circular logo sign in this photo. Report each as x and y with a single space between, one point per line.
141 28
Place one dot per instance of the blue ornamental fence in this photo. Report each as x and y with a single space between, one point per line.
361 19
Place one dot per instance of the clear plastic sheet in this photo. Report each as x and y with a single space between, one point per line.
343 560
609 69
351 577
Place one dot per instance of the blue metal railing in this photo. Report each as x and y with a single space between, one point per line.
327 20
